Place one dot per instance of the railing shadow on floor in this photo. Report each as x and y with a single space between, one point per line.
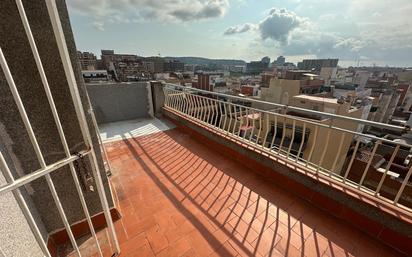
241 197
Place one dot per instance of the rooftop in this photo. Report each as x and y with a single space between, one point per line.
317 99
180 197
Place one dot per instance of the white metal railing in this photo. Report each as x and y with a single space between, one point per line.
323 146
14 185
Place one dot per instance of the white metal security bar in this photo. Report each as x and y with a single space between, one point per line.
276 133
13 185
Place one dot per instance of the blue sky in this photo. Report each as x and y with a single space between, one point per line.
369 31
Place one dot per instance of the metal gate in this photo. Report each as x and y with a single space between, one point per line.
13 185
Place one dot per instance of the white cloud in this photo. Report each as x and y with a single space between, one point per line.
240 29
279 24
149 10
348 30
98 25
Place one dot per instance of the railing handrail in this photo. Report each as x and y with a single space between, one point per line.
289 107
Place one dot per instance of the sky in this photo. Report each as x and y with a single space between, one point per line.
364 32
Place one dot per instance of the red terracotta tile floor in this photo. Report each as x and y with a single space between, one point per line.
180 198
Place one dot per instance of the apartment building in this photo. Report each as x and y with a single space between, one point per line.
317 64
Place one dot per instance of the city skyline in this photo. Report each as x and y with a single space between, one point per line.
356 32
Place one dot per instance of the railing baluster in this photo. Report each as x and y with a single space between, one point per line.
221 114
313 146
293 138
283 135
375 147
325 148
205 109
177 102
235 121
212 111
169 99
260 128
202 108
198 107
192 101
229 126
209 111
247 123
253 126
302 142
338 153
174 100
182 102
351 160
267 130
395 152
240 121
224 123
404 182
275 128
217 105
187 104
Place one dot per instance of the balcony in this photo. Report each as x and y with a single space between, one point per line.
181 196
183 190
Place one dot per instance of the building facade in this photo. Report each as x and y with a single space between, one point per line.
317 64
88 61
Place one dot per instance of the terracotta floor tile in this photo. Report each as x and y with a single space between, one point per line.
225 251
241 230
180 198
157 240
243 249
143 225
200 244
315 245
189 253
265 242
289 236
133 244
144 251
288 250
176 249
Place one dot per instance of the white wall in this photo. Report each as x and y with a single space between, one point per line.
16 238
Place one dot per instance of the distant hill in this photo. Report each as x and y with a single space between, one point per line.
206 61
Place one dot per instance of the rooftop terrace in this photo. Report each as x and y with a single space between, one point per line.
180 197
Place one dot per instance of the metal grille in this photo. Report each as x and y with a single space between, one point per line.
14 185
